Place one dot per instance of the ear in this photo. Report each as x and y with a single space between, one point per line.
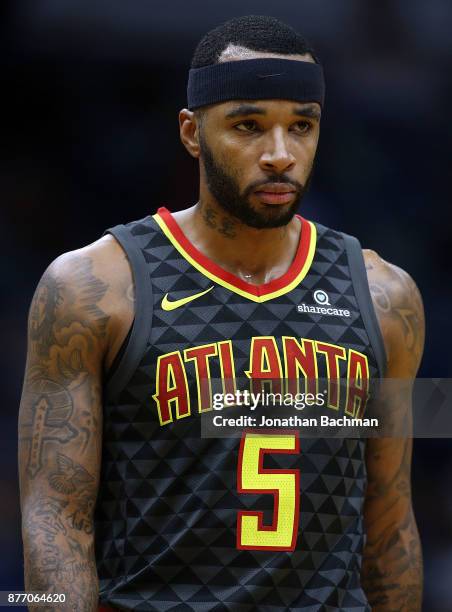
189 132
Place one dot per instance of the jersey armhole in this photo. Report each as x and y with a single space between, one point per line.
118 357
363 297
135 343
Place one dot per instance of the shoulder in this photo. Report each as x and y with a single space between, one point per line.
104 253
92 271
392 285
89 288
400 312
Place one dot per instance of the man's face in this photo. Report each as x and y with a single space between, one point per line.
257 156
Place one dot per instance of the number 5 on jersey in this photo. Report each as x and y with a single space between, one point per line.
284 485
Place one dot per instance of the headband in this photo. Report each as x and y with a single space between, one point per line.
256 79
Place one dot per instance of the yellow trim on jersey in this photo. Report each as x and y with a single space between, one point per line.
255 298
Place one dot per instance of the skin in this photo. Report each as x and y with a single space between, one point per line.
83 308
78 319
282 142
392 565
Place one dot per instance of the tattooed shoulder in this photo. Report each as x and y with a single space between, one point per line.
71 328
66 313
399 309
89 291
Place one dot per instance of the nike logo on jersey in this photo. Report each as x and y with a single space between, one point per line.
172 305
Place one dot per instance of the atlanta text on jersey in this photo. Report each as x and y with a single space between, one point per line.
288 362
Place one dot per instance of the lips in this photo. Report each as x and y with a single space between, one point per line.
273 193
276 188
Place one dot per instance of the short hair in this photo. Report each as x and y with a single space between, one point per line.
256 32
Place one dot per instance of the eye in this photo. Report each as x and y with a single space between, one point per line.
246 126
303 127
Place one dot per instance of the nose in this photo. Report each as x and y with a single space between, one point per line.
277 157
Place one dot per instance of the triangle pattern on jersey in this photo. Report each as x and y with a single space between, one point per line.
166 519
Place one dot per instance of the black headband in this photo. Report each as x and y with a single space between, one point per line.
256 79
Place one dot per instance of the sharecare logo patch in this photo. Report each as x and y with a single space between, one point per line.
324 306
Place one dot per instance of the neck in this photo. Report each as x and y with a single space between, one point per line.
255 255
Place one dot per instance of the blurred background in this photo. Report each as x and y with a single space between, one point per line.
90 93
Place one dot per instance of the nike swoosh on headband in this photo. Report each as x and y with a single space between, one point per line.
266 76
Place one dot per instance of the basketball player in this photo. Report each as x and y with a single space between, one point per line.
124 504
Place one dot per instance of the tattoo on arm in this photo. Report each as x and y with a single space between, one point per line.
65 326
392 562
59 433
399 308
55 561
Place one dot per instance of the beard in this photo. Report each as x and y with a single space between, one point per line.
225 188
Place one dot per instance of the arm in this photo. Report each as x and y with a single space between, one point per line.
392 564
71 331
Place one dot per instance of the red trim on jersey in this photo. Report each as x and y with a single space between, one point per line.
258 290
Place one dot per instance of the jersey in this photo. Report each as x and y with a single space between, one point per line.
187 523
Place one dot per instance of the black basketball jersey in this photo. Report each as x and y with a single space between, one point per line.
266 523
